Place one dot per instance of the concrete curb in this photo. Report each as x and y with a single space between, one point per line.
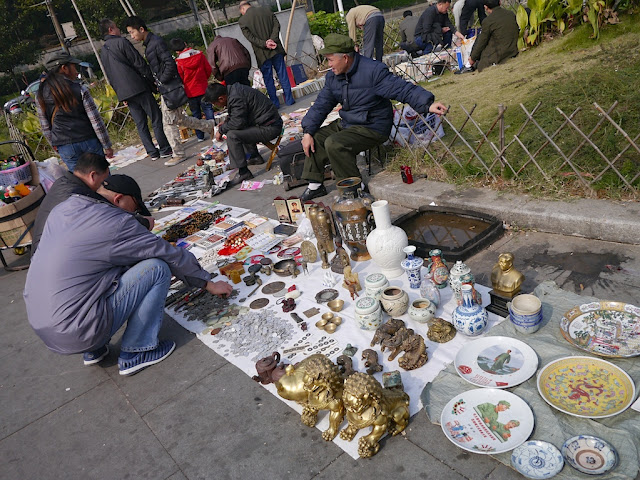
597 219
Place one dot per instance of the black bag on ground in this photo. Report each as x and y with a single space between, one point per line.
291 160
173 93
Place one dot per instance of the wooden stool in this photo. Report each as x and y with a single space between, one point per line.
274 150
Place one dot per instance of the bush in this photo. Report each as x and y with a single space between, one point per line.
323 23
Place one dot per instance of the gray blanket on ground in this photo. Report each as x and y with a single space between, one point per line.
551 425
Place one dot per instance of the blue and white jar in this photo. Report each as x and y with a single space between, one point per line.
455 279
412 266
368 313
375 284
470 318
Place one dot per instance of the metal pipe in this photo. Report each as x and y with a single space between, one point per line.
90 40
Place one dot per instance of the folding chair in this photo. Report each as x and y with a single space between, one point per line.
274 149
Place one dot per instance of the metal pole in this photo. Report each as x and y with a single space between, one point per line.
194 8
211 16
133 12
341 8
56 25
125 8
90 41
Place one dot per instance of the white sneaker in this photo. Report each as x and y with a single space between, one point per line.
174 161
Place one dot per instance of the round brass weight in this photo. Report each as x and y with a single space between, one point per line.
272 288
259 303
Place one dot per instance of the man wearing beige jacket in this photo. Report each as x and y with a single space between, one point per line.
369 19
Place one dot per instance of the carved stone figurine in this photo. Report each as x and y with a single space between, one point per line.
351 282
345 364
329 279
441 331
316 384
415 354
370 358
340 259
505 279
370 405
386 331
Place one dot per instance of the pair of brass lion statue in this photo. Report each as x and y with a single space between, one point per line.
316 384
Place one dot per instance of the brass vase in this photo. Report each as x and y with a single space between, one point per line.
354 219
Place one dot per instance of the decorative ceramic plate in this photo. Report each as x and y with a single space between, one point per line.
537 459
289 252
487 420
498 362
609 329
589 454
275 249
586 387
253 260
326 295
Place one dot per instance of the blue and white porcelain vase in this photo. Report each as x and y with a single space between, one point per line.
455 279
429 290
470 318
412 266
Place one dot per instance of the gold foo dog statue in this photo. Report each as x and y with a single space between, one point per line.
368 404
316 384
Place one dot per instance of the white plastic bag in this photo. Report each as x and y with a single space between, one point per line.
258 80
465 48
49 171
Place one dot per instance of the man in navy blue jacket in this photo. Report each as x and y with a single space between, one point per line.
363 87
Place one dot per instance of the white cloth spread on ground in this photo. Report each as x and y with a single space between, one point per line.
440 355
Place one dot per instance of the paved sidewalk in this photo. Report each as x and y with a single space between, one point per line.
195 416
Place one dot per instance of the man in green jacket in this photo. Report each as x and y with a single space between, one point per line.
498 40
260 26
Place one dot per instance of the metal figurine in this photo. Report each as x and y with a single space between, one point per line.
305 268
316 384
340 259
346 365
369 405
324 255
505 279
394 344
441 331
415 352
386 331
370 358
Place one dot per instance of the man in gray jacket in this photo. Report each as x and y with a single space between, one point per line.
131 78
98 268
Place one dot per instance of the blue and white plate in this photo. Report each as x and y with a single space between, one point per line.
537 459
589 454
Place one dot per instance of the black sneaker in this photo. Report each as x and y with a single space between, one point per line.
155 156
168 154
309 194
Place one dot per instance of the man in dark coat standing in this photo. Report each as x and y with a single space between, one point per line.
363 87
466 15
131 78
261 27
434 27
165 71
498 40
252 118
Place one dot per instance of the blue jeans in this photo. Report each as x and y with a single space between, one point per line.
198 106
72 151
277 62
139 301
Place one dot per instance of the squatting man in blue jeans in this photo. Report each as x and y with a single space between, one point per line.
97 268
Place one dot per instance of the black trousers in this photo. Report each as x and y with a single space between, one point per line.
244 141
142 107
240 75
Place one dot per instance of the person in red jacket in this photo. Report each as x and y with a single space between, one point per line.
194 69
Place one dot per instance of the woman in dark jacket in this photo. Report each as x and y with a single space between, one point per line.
68 115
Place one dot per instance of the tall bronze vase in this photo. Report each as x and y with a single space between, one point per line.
354 220
321 224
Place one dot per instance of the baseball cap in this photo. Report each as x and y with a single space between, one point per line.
55 59
126 185
337 43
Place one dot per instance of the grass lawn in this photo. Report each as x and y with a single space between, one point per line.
568 72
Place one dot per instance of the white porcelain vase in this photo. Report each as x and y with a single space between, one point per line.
386 242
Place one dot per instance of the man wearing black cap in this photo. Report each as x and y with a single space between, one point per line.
124 192
97 269
363 87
